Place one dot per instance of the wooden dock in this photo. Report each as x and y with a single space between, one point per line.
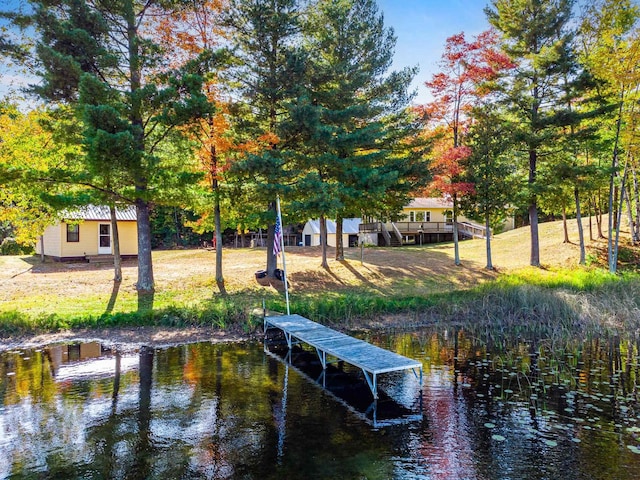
327 342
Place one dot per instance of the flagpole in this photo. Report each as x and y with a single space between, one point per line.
284 261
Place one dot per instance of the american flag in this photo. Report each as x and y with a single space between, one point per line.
277 236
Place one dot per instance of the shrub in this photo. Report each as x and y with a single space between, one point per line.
10 247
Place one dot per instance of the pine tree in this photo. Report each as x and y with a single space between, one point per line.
537 38
265 35
103 58
351 116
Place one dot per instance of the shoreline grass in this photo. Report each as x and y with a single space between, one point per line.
549 301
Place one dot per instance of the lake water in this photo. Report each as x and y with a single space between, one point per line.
487 409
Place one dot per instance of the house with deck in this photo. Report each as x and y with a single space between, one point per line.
85 234
423 220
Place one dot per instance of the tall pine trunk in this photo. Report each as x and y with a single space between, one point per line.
145 265
564 223
533 211
598 214
272 260
117 259
589 206
339 242
323 241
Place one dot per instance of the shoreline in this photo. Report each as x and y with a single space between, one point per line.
127 338
130 338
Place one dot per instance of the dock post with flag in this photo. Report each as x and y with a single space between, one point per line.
278 246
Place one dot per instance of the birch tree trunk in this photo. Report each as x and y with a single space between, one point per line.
613 261
487 226
583 256
456 246
612 254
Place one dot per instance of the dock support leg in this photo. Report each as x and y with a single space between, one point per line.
322 355
418 376
372 381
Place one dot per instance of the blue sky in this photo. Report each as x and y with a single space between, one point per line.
421 26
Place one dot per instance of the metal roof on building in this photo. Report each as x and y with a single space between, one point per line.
100 212
437 202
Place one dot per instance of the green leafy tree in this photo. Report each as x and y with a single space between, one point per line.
610 43
28 154
490 170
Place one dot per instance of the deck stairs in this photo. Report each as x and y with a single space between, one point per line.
397 241
385 234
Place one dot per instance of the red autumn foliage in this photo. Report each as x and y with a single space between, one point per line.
467 67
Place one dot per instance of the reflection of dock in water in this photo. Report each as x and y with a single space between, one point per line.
329 343
347 387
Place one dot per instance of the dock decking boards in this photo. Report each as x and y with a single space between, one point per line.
372 360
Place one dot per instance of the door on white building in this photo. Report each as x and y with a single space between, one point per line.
104 239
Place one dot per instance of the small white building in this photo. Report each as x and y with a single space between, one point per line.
350 229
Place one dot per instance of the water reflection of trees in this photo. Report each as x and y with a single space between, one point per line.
219 411
199 410
562 404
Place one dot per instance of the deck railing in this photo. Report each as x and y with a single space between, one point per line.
414 228
472 229
407 227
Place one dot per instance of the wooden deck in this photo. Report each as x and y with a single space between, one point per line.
419 233
372 360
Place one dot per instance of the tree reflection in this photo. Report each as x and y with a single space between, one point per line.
141 467
217 411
